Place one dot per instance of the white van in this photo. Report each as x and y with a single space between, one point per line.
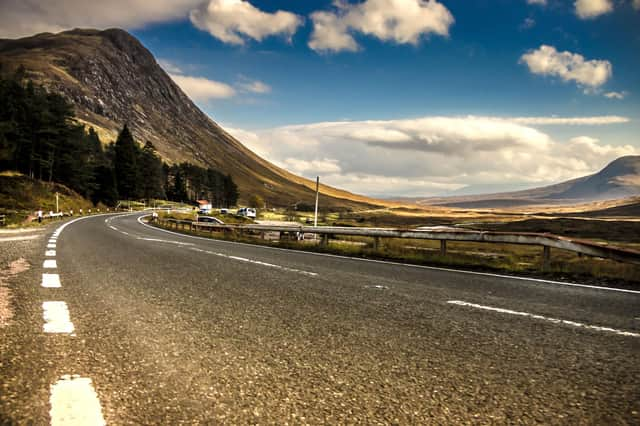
247 212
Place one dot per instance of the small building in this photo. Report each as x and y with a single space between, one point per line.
204 206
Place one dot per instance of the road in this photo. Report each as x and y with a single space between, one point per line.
119 322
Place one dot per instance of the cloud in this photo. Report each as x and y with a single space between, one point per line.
636 4
538 2
203 89
588 9
20 18
616 95
169 66
571 121
546 60
253 86
233 21
528 23
431 155
398 21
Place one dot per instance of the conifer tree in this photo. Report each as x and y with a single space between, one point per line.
126 165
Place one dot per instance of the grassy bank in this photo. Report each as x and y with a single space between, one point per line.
21 196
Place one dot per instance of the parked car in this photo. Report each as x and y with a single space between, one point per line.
224 211
247 212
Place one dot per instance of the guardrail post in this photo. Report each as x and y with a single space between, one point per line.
546 258
376 243
443 247
324 240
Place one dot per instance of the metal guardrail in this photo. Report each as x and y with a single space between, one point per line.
547 241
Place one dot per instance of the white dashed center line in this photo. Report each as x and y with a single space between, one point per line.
51 281
74 402
50 264
50 253
543 318
256 262
56 318
51 246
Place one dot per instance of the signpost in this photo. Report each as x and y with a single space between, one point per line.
315 216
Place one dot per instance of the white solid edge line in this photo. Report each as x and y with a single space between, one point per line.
56 318
435 268
74 402
51 281
543 318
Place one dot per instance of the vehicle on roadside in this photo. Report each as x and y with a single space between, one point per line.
247 212
209 219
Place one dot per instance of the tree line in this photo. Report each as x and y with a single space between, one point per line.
40 138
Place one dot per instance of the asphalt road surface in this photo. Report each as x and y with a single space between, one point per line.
110 320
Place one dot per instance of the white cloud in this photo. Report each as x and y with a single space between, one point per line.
528 23
546 60
431 155
538 2
636 4
203 89
587 9
616 95
20 18
169 66
253 86
232 21
398 21
571 121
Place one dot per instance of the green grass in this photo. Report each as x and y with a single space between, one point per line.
21 197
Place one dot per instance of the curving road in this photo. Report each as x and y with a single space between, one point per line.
144 326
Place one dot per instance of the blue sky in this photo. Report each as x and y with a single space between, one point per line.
400 97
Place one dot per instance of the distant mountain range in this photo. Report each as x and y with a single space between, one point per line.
619 179
112 79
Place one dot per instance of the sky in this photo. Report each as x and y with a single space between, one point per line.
395 97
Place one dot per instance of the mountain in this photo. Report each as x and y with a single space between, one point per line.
112 79
619 179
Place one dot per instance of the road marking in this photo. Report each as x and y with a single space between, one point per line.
113 227
408 265
157 240
51 246
51 281
50 264
50 253
255 262
543 318
56 318
74 402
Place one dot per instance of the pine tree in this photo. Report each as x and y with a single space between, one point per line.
151 168
126 165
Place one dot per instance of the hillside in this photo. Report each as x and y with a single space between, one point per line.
619 179
112 79
20 194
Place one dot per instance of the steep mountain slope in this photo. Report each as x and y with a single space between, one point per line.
619 179
112 79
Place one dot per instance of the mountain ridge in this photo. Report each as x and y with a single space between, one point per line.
618 179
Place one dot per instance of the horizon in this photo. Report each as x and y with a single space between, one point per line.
423 104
